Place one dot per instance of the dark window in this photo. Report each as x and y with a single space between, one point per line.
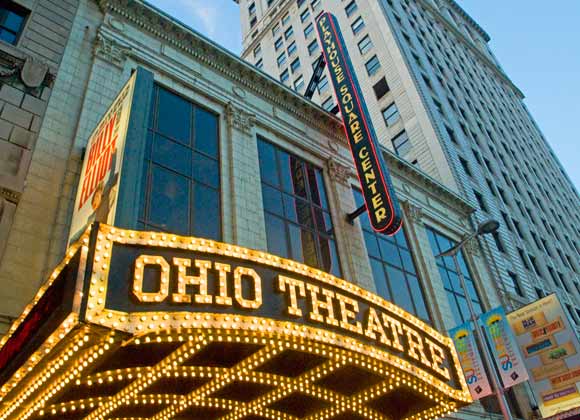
350 8
312 47
401 143
292 48
298 223
465 166
358 25
305 15
365 45
373 65
278 43
393 268
253 21
381 88
12 18
181 182
289 32
498 241
285 76
480 201
448 272
513 284
295 65
322 84
308 30
252 8
391 114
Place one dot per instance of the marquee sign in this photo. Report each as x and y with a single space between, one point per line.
380 200
149 288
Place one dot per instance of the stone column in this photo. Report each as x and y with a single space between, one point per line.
245 211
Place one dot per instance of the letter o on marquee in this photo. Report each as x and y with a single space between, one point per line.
250 274
163 291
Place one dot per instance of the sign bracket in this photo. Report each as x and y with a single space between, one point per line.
350 217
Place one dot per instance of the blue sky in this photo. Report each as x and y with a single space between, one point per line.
537 46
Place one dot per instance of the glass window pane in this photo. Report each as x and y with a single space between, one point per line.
272 200
463 308
268 166
206 132
408 264
144 194
321 189
174 116
169 205
12 21
7 36
398 284
372 246
418 298
380 279
309 249
329 255
206 212
304 213
321 221
206 170
290 207
455 309
389 252
276 235
172 155
295 242
445 277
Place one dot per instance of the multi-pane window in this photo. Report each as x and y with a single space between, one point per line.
295 65
315 5
358 25
252 8
308 30
275 30
181 178
322 84
304 15
281 59
278 43
260 64
328 104
285 76
298 222
393 267
289 32
448 272
365 45
391 114
351 8
257 51
286 19
373 65
401 143
12 18
292 48
312 47
299 83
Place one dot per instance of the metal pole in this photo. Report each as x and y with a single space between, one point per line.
482 344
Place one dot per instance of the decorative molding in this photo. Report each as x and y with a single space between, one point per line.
240 119
111 50
338 172
414 213
472 247
24 72
205 51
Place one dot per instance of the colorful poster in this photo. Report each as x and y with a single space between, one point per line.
505 351
550 348
470 361
99 181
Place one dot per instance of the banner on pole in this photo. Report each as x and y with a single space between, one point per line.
470 361
505 351
550 346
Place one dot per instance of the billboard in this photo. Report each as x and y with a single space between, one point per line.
470 361
550 346
380 200
505 352
99 180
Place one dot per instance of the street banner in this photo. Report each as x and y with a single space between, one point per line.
550 346
99 181
470 361
505 351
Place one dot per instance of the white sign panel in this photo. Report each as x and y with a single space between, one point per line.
99 181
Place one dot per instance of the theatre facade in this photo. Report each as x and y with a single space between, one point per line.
207 267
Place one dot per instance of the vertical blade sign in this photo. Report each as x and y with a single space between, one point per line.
381 203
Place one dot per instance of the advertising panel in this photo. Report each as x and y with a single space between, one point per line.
505 351
380 200
550 348
470 361
99 181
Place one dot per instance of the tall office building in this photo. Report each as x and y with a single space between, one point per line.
439 99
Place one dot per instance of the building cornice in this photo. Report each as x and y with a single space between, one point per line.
212 55
468 18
